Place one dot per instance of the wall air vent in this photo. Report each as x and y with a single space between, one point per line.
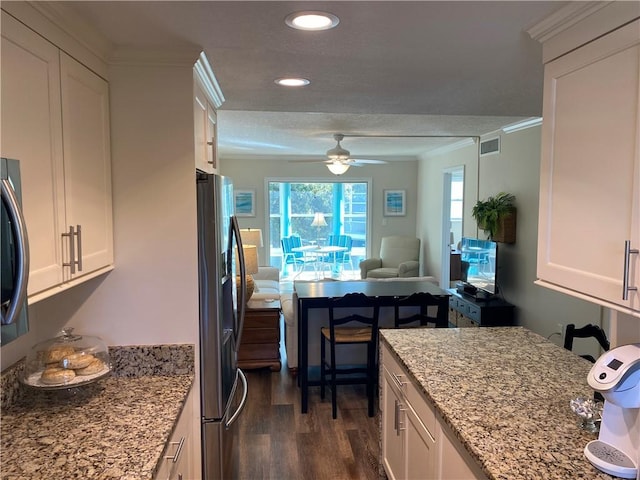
490 146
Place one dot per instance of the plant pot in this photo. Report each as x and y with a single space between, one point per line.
507 228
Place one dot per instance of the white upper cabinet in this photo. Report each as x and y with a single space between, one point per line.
590 172
205 120
207 98
87 163
32 133
55 120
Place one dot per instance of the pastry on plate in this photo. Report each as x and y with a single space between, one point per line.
77 360
96 366
57 376
57 353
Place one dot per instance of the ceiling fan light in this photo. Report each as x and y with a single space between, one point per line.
338 153
311 21
337 168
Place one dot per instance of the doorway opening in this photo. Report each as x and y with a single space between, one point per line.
452 216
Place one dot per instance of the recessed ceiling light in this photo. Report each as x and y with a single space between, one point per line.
292 82
311 20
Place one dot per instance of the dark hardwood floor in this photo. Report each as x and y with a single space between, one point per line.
277 442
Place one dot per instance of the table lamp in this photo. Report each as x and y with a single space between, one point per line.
251 267
252 236
318 222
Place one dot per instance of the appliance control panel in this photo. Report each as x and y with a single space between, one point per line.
611 368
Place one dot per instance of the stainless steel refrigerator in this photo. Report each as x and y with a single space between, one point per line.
223 386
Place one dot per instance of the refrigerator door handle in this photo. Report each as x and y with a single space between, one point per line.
245 391
242 295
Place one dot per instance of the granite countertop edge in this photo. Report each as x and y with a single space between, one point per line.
117 427
477 427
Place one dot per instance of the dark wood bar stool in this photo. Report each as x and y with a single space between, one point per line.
422 318
362 329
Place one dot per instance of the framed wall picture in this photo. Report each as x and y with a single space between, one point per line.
394 203
245 203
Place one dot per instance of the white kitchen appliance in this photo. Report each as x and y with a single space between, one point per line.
616 375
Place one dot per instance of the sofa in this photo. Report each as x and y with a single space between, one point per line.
266 283
319 317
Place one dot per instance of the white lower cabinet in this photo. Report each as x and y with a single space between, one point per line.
416 444
178 458
408 445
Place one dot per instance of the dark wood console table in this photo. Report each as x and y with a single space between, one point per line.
466 311
260 343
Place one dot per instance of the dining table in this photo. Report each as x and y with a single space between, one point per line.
319 294
320 255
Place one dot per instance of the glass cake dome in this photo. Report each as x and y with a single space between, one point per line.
67 361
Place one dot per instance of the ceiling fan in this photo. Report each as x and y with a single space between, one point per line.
339 159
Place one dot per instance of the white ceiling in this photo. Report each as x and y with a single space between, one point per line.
414 68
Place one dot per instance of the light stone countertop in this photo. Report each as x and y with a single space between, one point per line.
505 393
116 428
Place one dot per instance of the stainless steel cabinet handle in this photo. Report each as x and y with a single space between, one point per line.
398 380
401 425
72 250
212 144
75 238
176 456
79 239
395 418
628 251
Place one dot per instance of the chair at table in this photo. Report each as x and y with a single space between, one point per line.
587 331
340 258
349 328
289 257
416 310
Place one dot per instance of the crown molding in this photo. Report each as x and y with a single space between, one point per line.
578 23
64 28
563 18
208 80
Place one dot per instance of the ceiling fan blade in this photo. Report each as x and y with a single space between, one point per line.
367 161
310 161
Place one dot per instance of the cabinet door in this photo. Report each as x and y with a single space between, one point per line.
453 462
420 448
392 431
177 462
87 163
204 130
31 131
589 204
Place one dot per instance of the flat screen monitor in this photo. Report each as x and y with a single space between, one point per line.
479 263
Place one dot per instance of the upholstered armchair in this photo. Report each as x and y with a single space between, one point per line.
399 257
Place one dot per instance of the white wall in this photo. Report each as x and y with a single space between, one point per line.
395 175
516 170
431 180
151 297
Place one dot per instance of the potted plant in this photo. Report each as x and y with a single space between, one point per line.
497 216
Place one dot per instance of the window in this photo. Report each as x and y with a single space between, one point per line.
292 206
